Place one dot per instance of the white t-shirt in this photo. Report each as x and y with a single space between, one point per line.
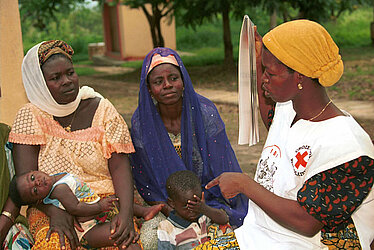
291 155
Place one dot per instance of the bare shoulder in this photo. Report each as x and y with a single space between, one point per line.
59 191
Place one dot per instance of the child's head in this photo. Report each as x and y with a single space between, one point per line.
181 186
30 188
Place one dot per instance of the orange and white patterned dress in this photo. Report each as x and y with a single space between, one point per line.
83 153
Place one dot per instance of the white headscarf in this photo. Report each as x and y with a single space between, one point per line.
38 92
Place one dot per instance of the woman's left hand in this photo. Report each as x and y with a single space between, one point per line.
122 230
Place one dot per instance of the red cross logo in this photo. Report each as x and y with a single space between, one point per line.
300 159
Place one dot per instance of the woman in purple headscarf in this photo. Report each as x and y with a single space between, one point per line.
173 129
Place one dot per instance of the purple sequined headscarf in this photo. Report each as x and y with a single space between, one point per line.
206 149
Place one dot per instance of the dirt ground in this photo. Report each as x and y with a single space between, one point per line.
121 87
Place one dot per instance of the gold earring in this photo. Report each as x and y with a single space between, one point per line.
300 86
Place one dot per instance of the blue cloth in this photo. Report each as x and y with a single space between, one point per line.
206 149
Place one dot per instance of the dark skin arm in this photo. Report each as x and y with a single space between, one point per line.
286 212
25 159
122 226
74 207
265 104
22 165
218 216
5 222
166 208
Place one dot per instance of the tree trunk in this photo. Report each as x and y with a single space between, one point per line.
153 32
372 32
229 58
154 20
372 27
160 40
273 19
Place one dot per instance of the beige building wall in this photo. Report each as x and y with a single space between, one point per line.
13 95
136 35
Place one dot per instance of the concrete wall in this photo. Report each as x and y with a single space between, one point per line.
136 35
11 54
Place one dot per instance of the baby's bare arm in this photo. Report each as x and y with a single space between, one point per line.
74 207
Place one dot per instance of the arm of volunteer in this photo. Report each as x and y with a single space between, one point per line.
286 212
343 189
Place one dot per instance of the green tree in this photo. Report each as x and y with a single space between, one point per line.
78 28
41 12
372 26
194 12
158 9
317 10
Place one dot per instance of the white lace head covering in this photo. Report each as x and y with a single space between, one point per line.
37 90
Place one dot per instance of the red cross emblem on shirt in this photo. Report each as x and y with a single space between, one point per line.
300 159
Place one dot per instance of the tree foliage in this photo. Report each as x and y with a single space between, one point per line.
41 12
317 10
78 28
158 10
194 12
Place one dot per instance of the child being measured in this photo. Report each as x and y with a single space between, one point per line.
192 221
68 192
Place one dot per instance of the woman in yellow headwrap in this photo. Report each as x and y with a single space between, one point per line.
313 182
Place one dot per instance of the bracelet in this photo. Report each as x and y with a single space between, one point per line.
9 215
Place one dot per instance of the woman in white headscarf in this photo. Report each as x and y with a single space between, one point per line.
66 128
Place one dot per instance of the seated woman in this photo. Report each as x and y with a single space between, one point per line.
65 128
174 129
313 183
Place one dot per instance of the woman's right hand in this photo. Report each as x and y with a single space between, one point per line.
230 183
258 45
63 224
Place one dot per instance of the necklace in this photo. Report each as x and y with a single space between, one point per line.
68 127
320 113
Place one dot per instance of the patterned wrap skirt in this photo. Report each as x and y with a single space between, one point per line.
39 226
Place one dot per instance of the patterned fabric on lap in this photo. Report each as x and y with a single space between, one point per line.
227 241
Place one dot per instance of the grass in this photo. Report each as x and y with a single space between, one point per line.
202 52
357 53
352 29
86 71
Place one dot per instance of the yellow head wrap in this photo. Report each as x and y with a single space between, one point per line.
307 48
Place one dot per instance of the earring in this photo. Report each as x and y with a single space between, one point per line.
153 100
300 86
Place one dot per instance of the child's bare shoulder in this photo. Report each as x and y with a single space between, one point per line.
59 190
